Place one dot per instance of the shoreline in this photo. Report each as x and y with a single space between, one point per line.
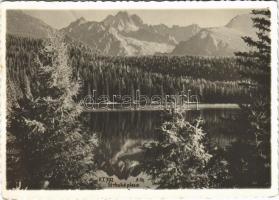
202 106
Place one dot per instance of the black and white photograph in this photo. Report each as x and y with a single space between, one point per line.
138 98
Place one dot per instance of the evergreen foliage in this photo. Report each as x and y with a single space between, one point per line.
178 159
58 152
153 75
256 68
181 157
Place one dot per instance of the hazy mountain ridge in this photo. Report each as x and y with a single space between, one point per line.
21 24
242 23
127 35
218 41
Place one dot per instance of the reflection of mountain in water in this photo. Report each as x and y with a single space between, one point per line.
122 135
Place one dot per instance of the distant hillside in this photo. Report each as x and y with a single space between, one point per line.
124 34
218 41
242 23
21 24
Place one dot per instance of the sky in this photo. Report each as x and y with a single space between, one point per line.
204 18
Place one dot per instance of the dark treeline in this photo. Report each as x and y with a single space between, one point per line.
209 68
215 80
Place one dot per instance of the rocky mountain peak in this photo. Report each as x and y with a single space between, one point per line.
137 20
80 21
122 14
123 21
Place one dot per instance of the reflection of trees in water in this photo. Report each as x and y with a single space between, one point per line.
121 135
117 127
222 125
125 124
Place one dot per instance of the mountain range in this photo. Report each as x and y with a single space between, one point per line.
124 34
21 24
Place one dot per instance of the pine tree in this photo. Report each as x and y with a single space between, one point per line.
178 158
59 152
256 68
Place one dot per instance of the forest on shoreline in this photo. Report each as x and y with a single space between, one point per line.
152 75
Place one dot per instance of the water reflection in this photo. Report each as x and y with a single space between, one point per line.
122 135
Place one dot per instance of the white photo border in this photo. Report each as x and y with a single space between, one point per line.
143 193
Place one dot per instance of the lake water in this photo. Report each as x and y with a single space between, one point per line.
122 135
